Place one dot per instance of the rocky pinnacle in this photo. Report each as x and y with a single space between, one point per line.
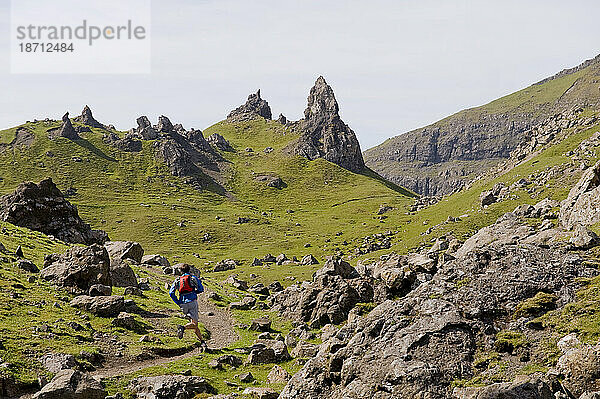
324 134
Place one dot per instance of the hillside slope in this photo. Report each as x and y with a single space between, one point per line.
442 157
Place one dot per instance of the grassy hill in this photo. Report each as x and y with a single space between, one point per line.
442 157
134 197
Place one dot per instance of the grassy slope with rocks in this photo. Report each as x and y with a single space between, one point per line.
324 199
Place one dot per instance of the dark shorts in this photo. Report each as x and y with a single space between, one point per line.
190 310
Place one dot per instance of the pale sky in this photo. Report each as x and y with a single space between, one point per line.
394 65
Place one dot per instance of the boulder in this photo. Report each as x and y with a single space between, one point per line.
280 259
78 268
270 181
170 387
71 384
259 289
237 283
260 393
529 389
278 375
308 260
229 360
103 306
122 250
245 304
246 377
27 266
42 207
100 290
155 260
581 369
121 273
144 129
224 265
282 119
254 107
487 198
583 238
261 324
55 362
275 286
268 351
582 204
125 320
335 289
304 350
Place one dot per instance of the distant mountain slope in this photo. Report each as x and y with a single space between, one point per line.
442 157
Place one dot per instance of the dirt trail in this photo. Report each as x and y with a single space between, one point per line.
220 324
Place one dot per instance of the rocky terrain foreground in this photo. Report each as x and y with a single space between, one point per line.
323 279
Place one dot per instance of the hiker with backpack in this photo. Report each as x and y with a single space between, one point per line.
188 286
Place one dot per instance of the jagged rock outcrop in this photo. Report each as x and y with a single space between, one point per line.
582 205
144 130
417 345
43 207
334 290
78 268
324 134
254 107
127 144
87 118
219 142
67 130
441 158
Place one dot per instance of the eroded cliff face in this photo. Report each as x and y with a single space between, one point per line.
324 134
439 159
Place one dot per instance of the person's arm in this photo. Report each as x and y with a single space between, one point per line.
172 293
199 286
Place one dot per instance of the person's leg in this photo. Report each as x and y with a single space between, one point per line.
193 325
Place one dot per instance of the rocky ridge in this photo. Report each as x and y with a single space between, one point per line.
441 158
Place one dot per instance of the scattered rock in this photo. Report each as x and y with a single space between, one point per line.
278 375
224 265
308 260
100 290
27 266
103 306
245 304
55 362
155 260
530 389
169 387
261 324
